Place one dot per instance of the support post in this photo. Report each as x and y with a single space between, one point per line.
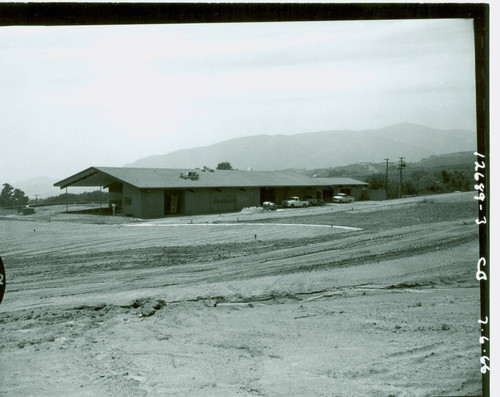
100 194
386 178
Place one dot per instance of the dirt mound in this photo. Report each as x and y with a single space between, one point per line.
252 210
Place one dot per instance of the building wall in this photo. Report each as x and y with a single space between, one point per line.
223 200
152 205
206 201
357 192
131 200
197 201
146 203
249 197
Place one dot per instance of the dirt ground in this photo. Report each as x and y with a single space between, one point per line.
363 299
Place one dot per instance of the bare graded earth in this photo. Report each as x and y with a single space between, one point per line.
250 304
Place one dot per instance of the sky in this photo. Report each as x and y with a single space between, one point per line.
77 96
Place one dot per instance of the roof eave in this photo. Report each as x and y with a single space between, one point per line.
79 176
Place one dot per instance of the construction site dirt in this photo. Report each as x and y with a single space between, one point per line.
356 299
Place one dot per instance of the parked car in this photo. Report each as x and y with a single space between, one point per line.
342 198
269 205
295 202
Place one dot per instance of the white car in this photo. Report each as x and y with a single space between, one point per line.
342 198
295 201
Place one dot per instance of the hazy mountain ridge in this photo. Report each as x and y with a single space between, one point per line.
356 154
320 149
43 186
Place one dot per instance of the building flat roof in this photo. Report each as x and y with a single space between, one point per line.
162 178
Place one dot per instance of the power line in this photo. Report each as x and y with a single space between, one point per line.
386 178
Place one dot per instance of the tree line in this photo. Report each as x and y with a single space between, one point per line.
419 182
84 197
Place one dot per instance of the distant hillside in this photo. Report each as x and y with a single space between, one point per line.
461 161
320 149
435 174
450 160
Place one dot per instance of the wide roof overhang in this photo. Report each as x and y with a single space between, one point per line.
90 177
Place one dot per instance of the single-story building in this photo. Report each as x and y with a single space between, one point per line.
158 192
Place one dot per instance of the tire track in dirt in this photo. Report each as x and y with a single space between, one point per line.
90 239
376 248
337 253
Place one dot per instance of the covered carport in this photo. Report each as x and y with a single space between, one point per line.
93 177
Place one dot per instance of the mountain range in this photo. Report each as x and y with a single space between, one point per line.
319 149
350 153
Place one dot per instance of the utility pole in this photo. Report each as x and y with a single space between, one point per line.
386 178
36 198
402 164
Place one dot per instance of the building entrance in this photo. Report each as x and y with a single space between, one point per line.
173 200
